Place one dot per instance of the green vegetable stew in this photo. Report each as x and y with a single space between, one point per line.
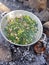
21 30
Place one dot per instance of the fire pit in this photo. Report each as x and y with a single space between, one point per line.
15 55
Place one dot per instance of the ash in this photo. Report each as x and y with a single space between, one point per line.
23 55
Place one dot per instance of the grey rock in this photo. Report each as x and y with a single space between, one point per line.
43 15
5 54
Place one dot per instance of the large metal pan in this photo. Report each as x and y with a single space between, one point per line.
17 13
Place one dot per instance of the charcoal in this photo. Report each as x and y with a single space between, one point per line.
47 58
48 3
12 63
16 54
30 58
3 63
26 3
21 1
45 64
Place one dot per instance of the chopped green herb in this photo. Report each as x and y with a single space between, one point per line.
21 30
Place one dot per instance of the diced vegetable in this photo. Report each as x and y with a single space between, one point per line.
21 30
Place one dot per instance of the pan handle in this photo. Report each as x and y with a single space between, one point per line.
4 13
43 38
